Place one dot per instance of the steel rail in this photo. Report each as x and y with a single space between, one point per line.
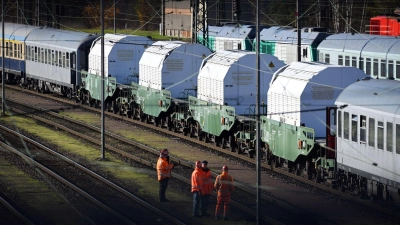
388 211
147 163
15 212
93 174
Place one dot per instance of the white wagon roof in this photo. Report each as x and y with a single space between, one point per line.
241 32
17 32
361 43
289 35
63 39
156 53
382 95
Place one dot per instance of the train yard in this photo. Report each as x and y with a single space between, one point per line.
309 195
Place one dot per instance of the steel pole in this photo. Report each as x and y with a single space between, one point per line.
258 153
115 30
102 79
298 31
3 95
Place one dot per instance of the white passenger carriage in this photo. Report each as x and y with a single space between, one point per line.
54 59
368 137
378 56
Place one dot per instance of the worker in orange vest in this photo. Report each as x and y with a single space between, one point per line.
164 168
224 187
208 186
197 188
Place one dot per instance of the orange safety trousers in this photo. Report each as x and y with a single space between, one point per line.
225 201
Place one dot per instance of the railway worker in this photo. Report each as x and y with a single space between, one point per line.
207 187
197 188
224 186
164 173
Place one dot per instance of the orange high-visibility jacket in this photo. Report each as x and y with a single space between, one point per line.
163 168
224 184
197 180
207 182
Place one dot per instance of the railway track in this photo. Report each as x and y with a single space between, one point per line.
115 202
10 215
243 198
243 159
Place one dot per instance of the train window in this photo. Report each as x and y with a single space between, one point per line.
39 55
354 130
42 55
340 60
27 52
36 54
32 53
361 64
60 59
327 58
67 60
397 139
347 60
354 62
339 134
398 70
15 50
56 58
380 135
389 137
390 68
53 58
346 125
376 67
371 132
383 68
363 127
368 66
19 51
11 50
45 56
49 56
63 59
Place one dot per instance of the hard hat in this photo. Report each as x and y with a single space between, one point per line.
225 168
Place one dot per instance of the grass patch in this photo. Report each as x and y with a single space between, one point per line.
112 165
85 117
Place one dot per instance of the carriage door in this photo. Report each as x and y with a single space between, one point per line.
72 66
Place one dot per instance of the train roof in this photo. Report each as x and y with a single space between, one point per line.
361 43
59 38
164 47
241 32
377 94
18 32
289 35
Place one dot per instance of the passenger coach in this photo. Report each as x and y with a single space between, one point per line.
14 42
54 59
368 137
